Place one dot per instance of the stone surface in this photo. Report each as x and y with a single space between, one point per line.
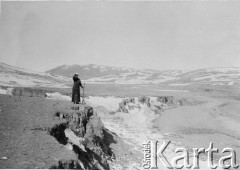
144 99
167 100
122 106
87 125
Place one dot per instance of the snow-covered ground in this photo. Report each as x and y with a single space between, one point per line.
57 96
139 125
7 91
136 127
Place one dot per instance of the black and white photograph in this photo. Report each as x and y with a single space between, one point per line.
120 85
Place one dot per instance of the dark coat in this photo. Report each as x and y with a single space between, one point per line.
76 89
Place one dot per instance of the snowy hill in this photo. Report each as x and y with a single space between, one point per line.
62 76
89 71
114 75
15 76
213 76
105 74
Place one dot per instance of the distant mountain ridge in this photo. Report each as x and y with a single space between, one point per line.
62 76
106 74
18 77
88 71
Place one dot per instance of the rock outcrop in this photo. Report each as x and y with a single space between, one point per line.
29 92
35 92
127 104
122 106
144 99
87 137
155 104
169 100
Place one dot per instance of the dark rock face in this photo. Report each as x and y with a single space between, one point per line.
58 132
122 106
87 126
125 107
63 115
144 99
132 100
128 104
66 164
79 123
167 100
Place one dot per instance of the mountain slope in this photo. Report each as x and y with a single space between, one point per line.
15 76
113 75
88 71
62 76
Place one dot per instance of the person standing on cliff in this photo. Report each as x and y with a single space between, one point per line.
76 89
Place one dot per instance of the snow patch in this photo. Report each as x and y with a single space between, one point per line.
2 91
103 67
183 84
13 79
224 70
7 91
172 90
57 96
110 103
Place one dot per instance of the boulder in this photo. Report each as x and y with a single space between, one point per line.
132 100
122 106
79 121
170 100
86 125
144 99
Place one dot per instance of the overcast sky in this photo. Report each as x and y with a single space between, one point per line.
155 35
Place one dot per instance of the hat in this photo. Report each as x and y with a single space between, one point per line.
75 75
